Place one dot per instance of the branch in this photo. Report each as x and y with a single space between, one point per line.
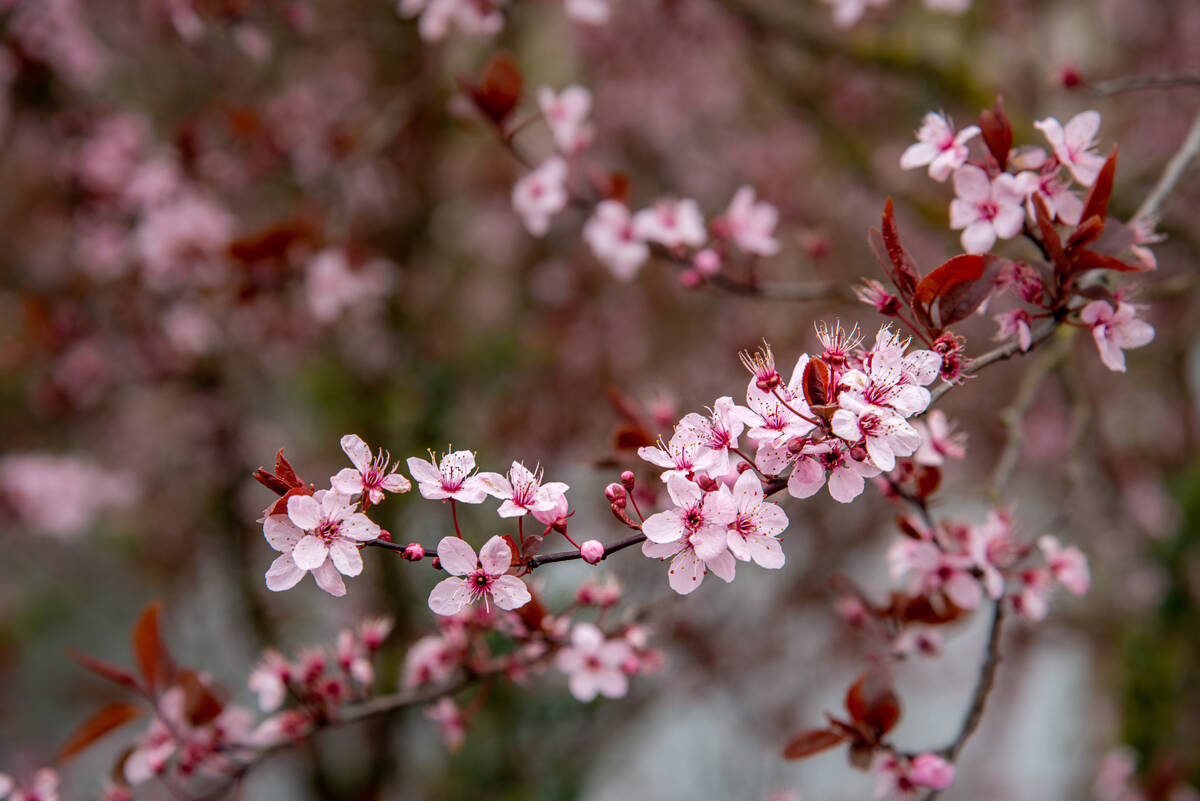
1176 168
1002 353
1133 83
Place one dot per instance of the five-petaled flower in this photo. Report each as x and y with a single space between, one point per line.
1073 144
369 477
594 664
451 479
522 491
472 579
939 147
541 194
1115 330
985 208
320 533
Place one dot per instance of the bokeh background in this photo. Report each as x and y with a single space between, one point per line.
233 226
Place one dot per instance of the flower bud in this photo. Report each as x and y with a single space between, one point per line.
743 467
691 278
437 563
592 551
707 262
413 552
706 483
627 480
385 535
615 494
796 444
858 453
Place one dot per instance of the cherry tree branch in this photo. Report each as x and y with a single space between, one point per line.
1175 170
1133 83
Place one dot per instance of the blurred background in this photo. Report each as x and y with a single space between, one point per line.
233 226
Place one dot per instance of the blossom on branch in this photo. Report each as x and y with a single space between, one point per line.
320 533
476 578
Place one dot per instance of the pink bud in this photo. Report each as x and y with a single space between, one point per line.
706 483
592 551
437 563
743 467
627 479
707 262
413 552
930 770
796 444
615 494
385 535
691 279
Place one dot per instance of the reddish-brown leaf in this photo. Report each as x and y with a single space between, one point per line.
962 268
810 742
815 383
1085 233
630 438
895 260
1101 191
201 701
149 650
106 720
101 668
871 701
954 290
929 478
1050 238
499 88
997 132
1091 260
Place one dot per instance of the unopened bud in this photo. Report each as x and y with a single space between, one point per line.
858 453
628 479
592 551
743 467
707 262
413 552
691 279
706 483
384 535
615 494
437 563
1070 78
796 444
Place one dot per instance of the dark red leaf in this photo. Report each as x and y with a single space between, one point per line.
101 668
1101 191
630 438
954 290
810 742
1050 238
1085 233
106 720
499 88
1091 260
201 701
895 260
816 383
149 650
959 269
929 478
997 132
871 701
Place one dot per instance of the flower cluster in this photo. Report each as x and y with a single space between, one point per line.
437 18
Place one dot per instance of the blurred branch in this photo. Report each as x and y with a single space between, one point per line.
1002 353
1134 83
1176 168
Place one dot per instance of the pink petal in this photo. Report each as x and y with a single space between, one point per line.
456 556
449 596
423 471
346 557
281 533
686 572
310 553
663 527
348 481
283 574
766 551
972 184
304 511
329 579
495 556
357 450
979 237
510 592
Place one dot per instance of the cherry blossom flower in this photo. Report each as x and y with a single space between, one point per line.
522 491
1144 234
684 455
1016 323
590 12
566 113
985 209
693 533
939 147
908 778
451 479
718 432
369 476
609 233
884 433
42 787
750 224
993 548
671 223
1073 144
754 532
932 571
1059 199
845 473
1114 331
451 722
541 194
1030 600
320 533
475 578
438 16
333 287
848 12
592 551
1068 565
939 440
269 680
430 660
874 293
594 664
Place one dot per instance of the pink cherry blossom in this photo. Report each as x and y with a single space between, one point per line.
473 579
694 533
589 12
333 287
684 455
719 432
932 570
438 16
42 787
594 664
1059 199
1068 565
910 778
1114 331
1144 234
566 113
450 479
848 12
845 473
451 722
939 147
522 491
993 548
939 440
430 660
884 433
609 233
754 532
320 533
671 223
1015 323
1031 597
1073 144
985 209
269 680
750 224
541 194
369 476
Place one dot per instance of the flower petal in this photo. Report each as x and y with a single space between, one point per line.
496 556
456 556
310 552
281 533
510 592
283 574
449 596
304 511
329 579
346 557
357 450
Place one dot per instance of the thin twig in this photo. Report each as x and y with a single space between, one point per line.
1002 353
1133 83
1176 168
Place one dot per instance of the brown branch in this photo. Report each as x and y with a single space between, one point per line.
1133 83
1176 168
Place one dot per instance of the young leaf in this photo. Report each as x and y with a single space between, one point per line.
871 701
106 720
816 383
1050 238
110 672
997 132
201 703
499 88
810 742
895 260
149 650
1101 191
